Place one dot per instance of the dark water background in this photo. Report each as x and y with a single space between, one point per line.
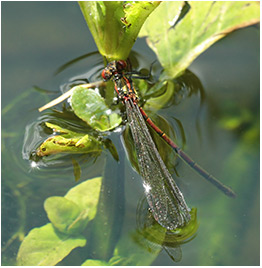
38 37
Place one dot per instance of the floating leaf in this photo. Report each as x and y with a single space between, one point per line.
45 247
178 38
57 129
91 108
115 24
68 142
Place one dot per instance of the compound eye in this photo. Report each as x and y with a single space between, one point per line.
121 64
105 75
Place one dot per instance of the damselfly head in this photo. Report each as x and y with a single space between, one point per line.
106 74
113 68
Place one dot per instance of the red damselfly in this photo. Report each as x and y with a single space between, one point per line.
163 195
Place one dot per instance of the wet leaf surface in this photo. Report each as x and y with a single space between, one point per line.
91 108
177 42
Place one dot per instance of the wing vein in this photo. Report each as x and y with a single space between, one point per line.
163 195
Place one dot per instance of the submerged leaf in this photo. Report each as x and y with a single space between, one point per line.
178 41
157 103
111 148
183 233
86 195
174 91
65 215
45 247
69 215
91 108
77 170
95 263
130 252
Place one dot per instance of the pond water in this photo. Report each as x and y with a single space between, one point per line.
218 124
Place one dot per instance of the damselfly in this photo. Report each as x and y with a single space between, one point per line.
163 195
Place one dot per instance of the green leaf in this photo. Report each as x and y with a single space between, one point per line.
69 215
68 142
65 215
67 133
154 104
164 93
116 24
86 196
95 263
91 108
45 247
178 40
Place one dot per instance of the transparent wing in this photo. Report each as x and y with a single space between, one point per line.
163 195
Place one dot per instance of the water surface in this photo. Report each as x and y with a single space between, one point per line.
222 134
